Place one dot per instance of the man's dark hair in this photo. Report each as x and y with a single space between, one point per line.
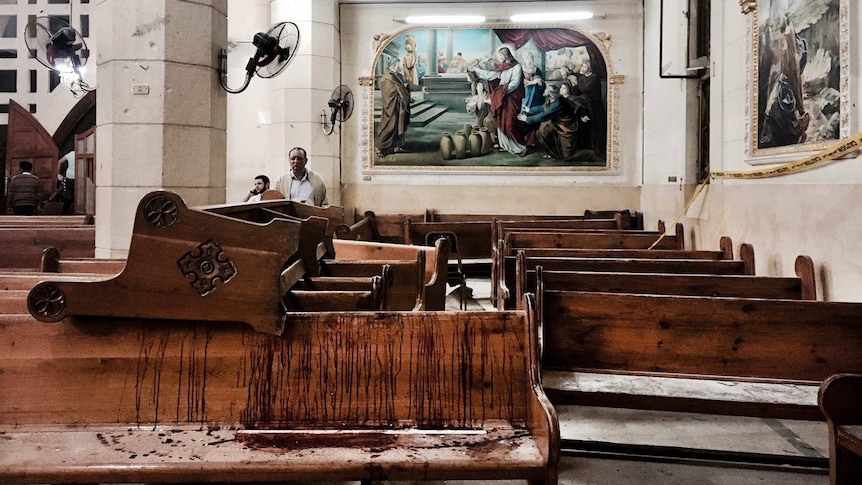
26 166
264 178
304 153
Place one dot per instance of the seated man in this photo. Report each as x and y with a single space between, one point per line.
261 185
25 191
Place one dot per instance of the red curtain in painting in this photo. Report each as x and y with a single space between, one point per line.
553 39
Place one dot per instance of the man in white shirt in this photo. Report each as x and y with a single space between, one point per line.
261 185
300 184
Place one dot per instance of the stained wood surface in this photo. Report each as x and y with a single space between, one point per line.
191 454
745 337
399 395
355 369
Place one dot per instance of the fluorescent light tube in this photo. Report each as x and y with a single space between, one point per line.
445 19
544 17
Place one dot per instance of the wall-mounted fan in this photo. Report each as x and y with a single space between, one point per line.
275 49
340 108
58 46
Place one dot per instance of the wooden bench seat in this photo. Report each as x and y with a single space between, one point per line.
515 240
431 261
26 280
801 287
223 455
23 246
749 286
47 220
14 302
705 337
407 290
507 278
337 396
52 262
366 228
630 219
840 400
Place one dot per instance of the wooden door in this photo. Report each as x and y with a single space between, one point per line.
85 172
28 140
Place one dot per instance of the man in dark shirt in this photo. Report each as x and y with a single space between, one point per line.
25 191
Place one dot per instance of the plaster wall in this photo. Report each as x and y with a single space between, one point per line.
490 191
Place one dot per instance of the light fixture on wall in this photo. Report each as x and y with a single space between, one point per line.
441 19
551 16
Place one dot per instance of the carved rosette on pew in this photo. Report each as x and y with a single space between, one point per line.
185 264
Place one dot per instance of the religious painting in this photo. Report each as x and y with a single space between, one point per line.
491 98
800 75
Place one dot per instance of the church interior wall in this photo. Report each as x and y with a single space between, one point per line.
808 212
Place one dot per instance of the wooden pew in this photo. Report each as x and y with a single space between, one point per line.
26 280
594 239
305 292
23 245
840 400
508 277
366 229
801 287
361 396
52 262
432 264
389 227
725 251
407 291
732 339
178 257
47 220
629 219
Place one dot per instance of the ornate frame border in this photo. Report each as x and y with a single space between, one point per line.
768 155
601 40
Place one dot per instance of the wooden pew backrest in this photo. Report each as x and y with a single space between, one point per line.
742 337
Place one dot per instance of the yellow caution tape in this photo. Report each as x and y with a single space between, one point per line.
840 149
672 227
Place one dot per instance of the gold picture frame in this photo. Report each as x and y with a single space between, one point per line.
799 77
463 60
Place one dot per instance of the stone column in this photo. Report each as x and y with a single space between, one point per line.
160 110
301 92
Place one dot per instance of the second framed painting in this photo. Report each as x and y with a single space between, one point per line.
492 99
800 76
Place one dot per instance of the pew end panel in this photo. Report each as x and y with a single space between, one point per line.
804 268
840 400
185 264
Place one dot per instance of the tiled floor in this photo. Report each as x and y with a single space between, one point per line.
623 446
